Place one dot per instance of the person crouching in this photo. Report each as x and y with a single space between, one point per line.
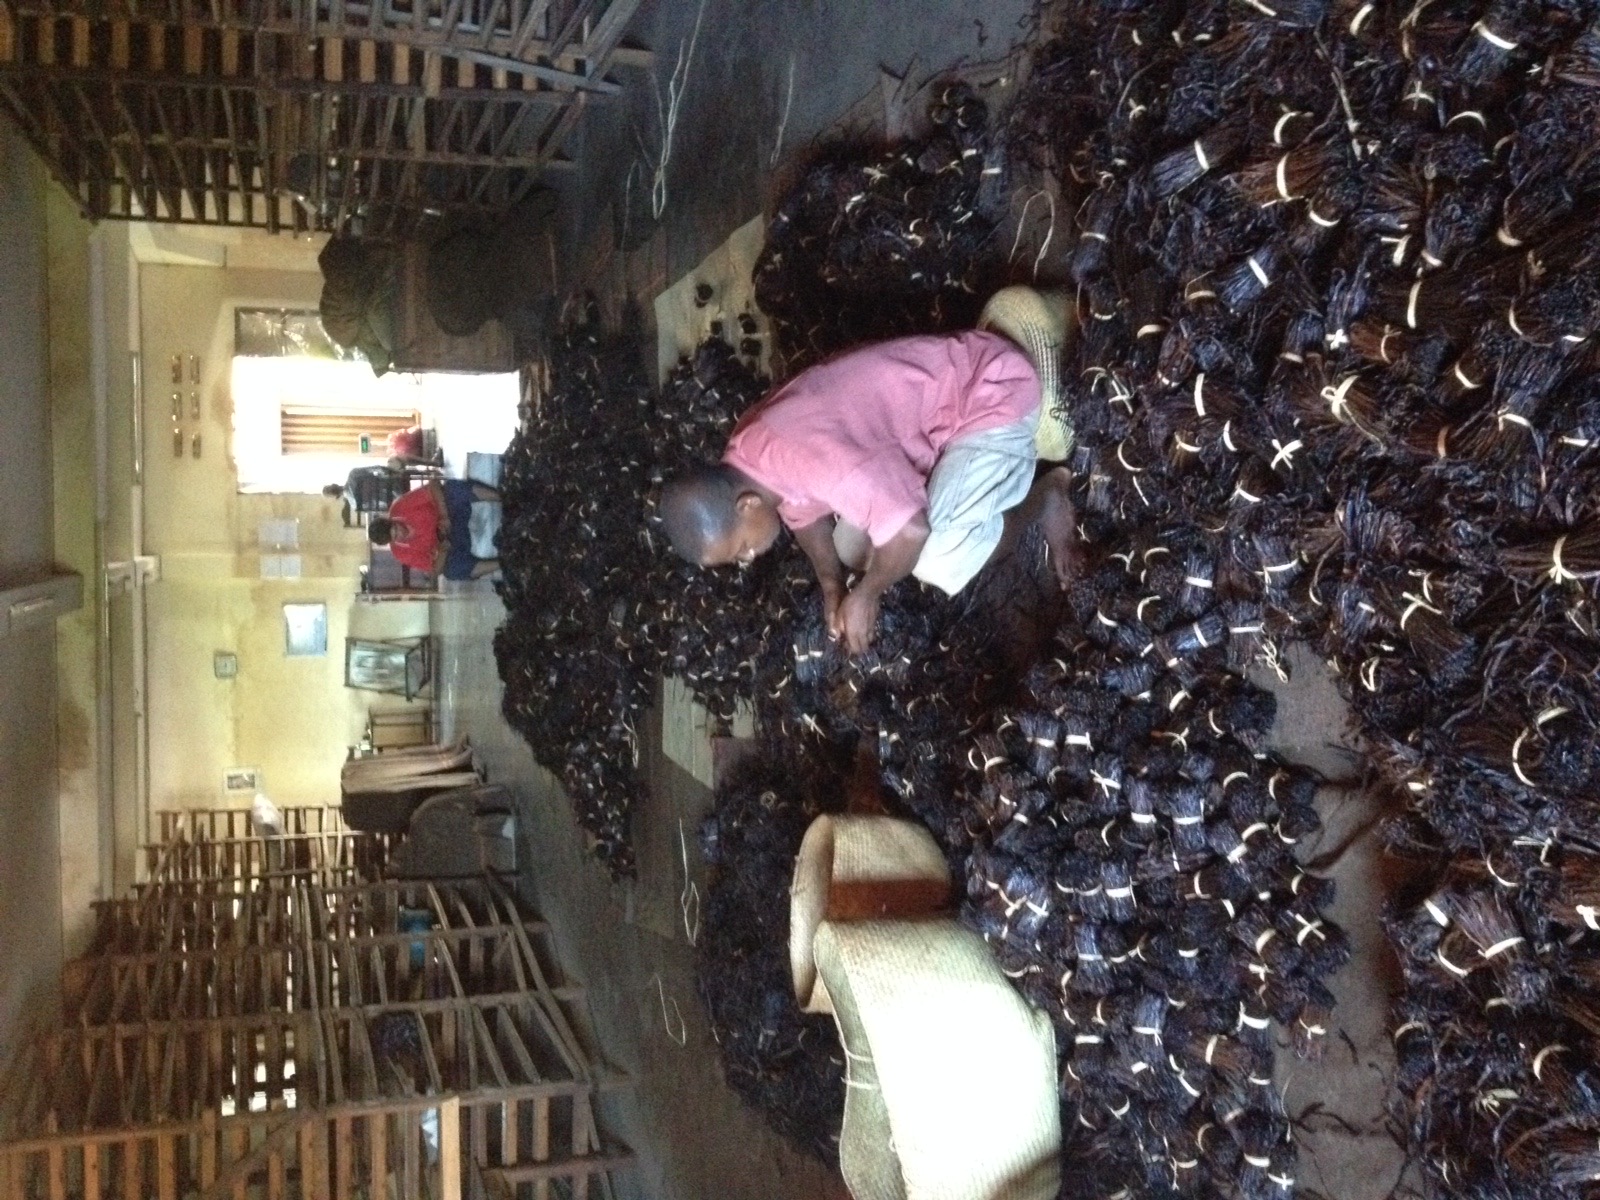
917 456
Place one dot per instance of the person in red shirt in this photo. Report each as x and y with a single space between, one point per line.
429 528
914 456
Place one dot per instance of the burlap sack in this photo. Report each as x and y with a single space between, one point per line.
951 1091
362 774
852 867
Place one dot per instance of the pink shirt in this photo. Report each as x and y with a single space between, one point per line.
858 435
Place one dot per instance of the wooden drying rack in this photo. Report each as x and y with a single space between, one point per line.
193 110
266 1017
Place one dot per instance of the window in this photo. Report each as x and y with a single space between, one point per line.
305 411
309 430
285 333
303 408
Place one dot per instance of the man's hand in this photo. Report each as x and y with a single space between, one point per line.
858 619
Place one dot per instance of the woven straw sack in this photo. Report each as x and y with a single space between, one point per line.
851 867
951 1089
1043 324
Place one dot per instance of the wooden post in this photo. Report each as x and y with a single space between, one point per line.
14 1174
509 1132
410 1155
313 1160
47 42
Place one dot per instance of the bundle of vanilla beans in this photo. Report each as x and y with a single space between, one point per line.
570 554
789 1065
874 242
1134 870
1337 267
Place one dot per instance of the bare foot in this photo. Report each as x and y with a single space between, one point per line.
1058 521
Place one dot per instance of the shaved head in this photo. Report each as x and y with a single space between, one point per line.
699 509
717 514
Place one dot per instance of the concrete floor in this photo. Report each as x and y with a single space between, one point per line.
627 946
1346 1151
765 78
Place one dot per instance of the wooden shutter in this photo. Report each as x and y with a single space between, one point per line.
308 430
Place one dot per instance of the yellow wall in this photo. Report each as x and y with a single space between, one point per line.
291 717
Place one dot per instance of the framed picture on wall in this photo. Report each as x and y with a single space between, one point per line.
395 666
241 781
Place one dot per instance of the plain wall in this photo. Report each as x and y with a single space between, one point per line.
292 718
30 902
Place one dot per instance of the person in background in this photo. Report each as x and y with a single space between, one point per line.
368 489
409 444
439 527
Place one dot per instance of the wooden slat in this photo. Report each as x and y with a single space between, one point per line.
541 1145
314 1160
410 1160
133 1167
275 1175
208 1148
450 1149
237 1140
56 1173
584 1167
378 1132
45 53
167 1168
91 1172
343 1149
